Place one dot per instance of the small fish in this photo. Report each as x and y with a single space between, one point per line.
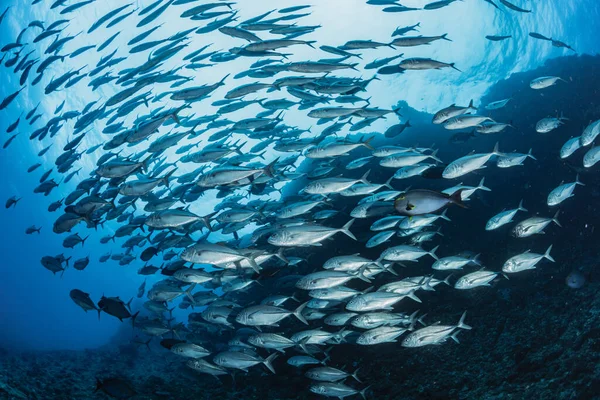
525 261
548 124
435 334
513 7
563 192
497 38
503 218
400 31
539 36
544 82
438 4
533 225
570 147
10 98
451 112
591 157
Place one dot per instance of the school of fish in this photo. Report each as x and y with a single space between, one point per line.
257 233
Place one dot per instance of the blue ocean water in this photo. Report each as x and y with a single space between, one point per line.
35 309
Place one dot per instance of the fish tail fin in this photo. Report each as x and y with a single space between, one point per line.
461 323
456 198
577 182
252 263
206 220
305 349
146 162
367 143
339 336
496 150
355 376
269 170
444 37
364 391
188 292
165 179
471 104
298 313
282 256
435 157
388 268
414 319
432 253
452 65
388 183
555 218
547 254
481 185
223 80
269 362
454 337
361 274
421 319
412 296
133 317
444 217
363 179
346 229
310 43
531 155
